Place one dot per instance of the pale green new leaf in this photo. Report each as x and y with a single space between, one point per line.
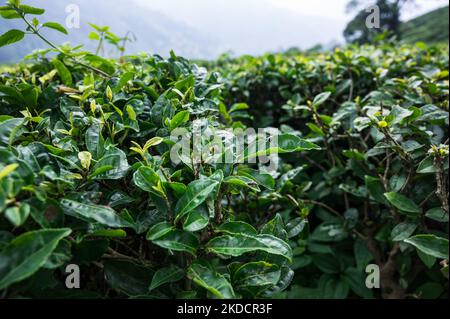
55 26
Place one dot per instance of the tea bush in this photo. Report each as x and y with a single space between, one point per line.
377 192
87 175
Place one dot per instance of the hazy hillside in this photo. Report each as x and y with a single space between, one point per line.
430 28
154 31
204 29
200 29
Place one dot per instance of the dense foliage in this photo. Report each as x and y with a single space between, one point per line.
86 175
374 189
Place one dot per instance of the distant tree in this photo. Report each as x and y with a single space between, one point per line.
390 13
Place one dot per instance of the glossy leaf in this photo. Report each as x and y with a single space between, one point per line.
237 227
146 179
211 280
242 181
196 194
166 236
402 231
437 214
55 26
402 202
376 189
239 244
196 220
166 275
430 245
257 274
94 213
178 120
287 143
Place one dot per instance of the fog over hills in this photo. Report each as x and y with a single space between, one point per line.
154 31
200 29
245 27
256 26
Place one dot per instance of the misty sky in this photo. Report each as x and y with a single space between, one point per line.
335 9
284 23
205 29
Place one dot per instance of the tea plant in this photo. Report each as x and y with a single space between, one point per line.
103 34
377 192
88 177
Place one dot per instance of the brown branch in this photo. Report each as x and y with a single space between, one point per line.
389 283
388 273
441 181
218 206
309 201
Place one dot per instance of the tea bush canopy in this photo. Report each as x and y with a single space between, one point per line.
90 172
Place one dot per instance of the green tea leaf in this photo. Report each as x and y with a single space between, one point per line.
242 181
287 143
10 37
178 240
437 214
166 275
237 227
321 98
430 245
402 231
211 280
94 213
124 79
196 194
115 158
55 26
8 169
25 254
296 226
64 73
31 10
256 274
18 215
85 159
128 277
166 236
146 179
196 220
178 120
239 244
376 189
402 203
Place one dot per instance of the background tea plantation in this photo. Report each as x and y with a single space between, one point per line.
86 176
